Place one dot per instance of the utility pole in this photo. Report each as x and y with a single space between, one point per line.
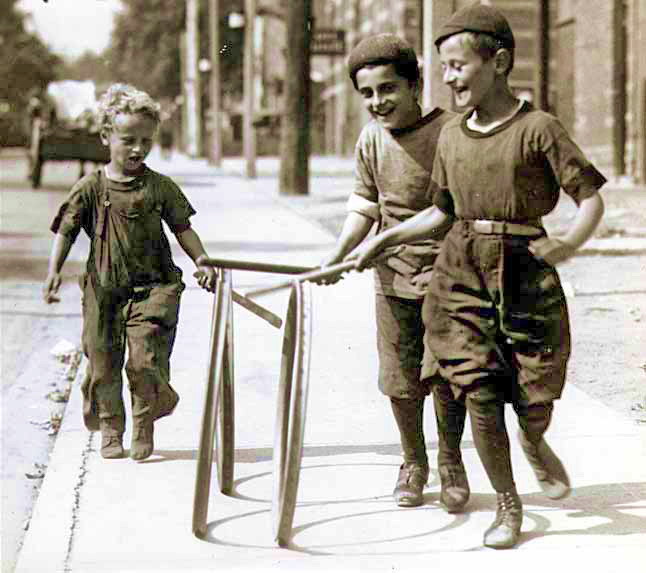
543 51
434 92
192 80
215 150
248 132
295 120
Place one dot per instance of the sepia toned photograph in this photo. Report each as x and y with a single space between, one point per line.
323 285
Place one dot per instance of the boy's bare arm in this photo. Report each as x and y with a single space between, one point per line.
423 225
190 241
57 258
355 229
554 251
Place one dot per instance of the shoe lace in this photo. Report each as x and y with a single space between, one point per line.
508 507
412 470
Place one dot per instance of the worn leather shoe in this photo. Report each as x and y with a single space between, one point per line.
410 484
166 402
548 469
142 445
112 446
505 530
111 438
455 487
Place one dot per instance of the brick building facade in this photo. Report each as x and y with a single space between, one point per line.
580 59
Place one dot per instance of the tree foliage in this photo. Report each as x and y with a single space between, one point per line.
145 46
26 64
88 66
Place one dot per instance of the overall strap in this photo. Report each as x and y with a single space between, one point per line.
103 206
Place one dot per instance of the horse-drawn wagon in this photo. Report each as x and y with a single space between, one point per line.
63 128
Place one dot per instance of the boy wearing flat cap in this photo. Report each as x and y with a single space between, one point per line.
495 314
394 156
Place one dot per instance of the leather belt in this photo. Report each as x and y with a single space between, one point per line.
487 227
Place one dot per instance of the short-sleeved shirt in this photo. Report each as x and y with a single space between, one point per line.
513 172
392 180
133 212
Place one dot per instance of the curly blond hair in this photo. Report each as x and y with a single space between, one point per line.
124 98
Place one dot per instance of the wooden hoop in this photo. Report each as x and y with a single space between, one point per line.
214 403
291 410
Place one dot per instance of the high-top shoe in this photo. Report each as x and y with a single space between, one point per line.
142 445
111 438
548 469
410 484
455 487
167 400
505 530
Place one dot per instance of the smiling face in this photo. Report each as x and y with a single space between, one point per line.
470 77
130 140
389 98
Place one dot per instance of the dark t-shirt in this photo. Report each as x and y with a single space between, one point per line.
130 216
393 175
513 172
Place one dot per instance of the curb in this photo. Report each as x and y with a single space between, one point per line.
48 541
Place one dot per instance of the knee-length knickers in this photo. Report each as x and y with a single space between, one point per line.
496 314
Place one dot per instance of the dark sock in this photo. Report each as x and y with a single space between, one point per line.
534 420
450 415
492 442
409 415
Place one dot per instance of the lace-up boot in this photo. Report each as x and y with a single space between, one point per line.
505 530
548 469
410 484
455 487
111 437
142 445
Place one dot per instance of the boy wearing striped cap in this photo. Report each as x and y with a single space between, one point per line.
394 155
496 315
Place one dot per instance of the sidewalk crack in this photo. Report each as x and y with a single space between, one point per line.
77 501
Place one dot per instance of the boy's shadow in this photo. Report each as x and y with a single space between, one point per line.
617 504
611 502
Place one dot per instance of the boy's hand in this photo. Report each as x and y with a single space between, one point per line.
50 288
365 253
206 277
326 262
552 251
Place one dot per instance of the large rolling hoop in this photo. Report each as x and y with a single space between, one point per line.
291 410
219 384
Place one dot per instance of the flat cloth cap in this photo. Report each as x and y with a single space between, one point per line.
380 48
478 18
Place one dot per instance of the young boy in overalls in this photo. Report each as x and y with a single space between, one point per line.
495 314
131 288
394 157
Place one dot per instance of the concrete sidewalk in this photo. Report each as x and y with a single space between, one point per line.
96 515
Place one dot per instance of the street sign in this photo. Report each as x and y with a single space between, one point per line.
327 42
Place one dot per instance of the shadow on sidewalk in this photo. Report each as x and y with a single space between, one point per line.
611 503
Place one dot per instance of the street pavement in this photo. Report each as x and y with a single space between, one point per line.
96 515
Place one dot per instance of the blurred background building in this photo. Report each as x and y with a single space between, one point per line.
579 59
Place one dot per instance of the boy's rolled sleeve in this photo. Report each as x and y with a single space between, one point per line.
358 204
438 190
177 210
72 214
365 197
575 173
